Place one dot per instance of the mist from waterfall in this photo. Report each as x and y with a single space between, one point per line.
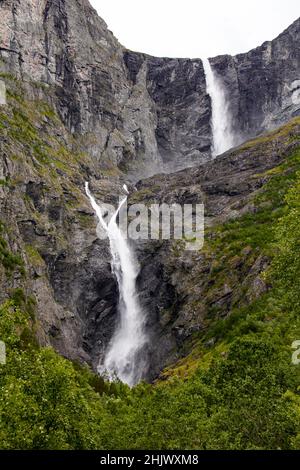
221 120
124 357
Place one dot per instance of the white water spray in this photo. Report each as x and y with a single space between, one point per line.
124 358
221 122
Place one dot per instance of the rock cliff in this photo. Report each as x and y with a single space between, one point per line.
184 291
263 84
80 107
135 111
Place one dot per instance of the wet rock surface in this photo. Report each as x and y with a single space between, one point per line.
81 108
263 84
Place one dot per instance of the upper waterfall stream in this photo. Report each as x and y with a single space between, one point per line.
123 358
221 120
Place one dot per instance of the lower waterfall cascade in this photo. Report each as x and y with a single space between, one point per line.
124 358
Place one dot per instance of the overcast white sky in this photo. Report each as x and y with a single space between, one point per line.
196 28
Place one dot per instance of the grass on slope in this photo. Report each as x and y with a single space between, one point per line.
242 393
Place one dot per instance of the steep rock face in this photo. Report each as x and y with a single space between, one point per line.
185 291
141 113
118 112
76 63
49 249
178 90
264 84
46 218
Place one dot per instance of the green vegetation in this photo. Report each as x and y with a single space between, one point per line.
32 131
4 182
236 389
271 136
10 261
233 247
33 256
46 402
241 393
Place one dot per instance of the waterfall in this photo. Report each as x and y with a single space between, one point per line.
221 121
124 357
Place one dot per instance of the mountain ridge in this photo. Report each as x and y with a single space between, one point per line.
221 321
161 120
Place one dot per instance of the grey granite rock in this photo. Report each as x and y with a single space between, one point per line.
126 116
139 112
175 284
263 85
